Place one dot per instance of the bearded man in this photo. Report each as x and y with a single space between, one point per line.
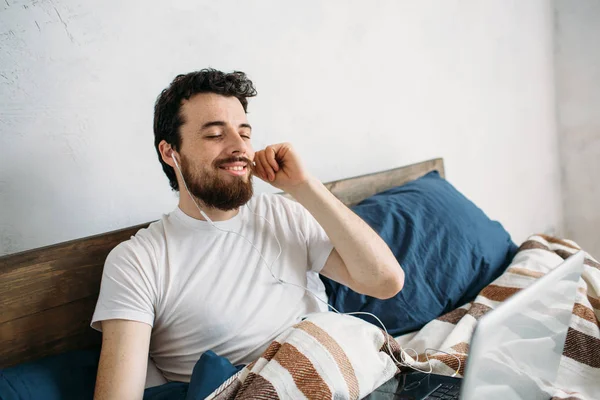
208 275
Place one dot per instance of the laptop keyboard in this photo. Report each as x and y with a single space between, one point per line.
446 391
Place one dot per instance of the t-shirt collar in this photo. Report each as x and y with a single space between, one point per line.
230 224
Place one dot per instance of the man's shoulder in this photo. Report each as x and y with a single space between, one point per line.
145 240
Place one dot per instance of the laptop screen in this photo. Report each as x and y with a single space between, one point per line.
517 348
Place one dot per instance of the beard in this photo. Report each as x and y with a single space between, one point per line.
213 190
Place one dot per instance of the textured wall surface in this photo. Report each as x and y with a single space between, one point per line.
578 97
357 86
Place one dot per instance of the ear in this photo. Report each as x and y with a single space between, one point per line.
166 153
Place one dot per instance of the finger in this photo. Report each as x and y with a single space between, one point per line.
256 167
270 152
259 172
268 170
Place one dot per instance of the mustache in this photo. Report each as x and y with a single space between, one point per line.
249 163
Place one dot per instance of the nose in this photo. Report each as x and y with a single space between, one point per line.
236 145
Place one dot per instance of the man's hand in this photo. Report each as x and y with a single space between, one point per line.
279 165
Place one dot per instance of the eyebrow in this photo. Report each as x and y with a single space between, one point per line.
222 123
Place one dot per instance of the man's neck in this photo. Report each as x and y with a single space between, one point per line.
187 206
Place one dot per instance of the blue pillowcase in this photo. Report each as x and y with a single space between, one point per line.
208 374
71 375
449 250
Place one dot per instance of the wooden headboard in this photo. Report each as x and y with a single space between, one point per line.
48 295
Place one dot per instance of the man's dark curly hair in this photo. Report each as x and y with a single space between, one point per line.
167 116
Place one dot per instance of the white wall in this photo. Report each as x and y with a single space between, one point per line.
357 86
578 98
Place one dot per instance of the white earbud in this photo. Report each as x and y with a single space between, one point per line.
175 161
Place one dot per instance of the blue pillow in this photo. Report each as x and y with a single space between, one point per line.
449 250
209 373
71 375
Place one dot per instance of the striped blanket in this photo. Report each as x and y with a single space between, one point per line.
331 356
579 372
326 356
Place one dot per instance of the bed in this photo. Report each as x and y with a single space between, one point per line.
48 294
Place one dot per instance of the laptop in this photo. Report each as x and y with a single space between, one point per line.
515 348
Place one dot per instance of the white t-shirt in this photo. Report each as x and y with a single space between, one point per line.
203 289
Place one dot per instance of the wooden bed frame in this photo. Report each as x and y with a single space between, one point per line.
48 295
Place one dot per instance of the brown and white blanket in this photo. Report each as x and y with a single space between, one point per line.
579 372
326 356
331 356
